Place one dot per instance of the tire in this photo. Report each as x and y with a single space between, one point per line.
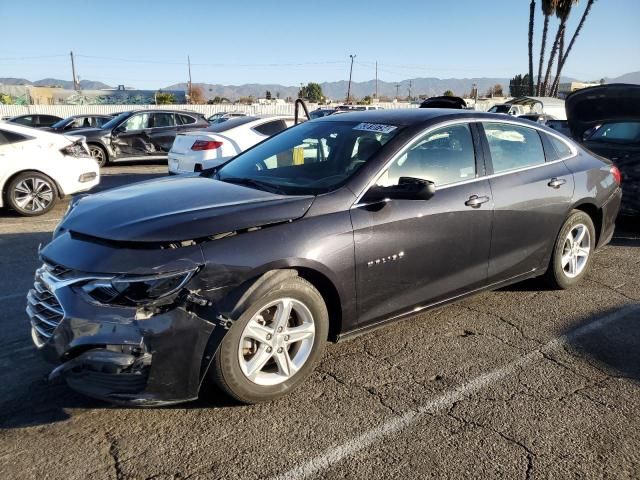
232 365
99 154
572 252
31 194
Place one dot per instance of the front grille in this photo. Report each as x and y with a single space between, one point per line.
43 308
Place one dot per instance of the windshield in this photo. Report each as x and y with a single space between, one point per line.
623 132
311 158
500 109
115 121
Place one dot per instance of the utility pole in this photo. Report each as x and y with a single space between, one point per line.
397 90
350 72
76 86
409 92
475 95
190 84
376 79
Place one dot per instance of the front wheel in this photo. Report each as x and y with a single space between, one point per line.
99 154
572 251
274 345
31 194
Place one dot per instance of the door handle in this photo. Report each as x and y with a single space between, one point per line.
556 182
475 201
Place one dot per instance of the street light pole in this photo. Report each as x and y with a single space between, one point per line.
350 72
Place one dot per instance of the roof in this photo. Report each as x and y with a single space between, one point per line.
410 116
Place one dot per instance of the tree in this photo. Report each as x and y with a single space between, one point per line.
366 100
563 10
267 95
497 89
563 56
165 98
197 95
519 85
532 14
312 92
548 8
6 99
449 93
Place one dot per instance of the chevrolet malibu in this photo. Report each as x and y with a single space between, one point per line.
240 274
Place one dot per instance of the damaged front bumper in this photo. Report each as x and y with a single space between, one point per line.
149 355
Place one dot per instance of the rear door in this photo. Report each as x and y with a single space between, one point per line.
414 253
163 131
531 196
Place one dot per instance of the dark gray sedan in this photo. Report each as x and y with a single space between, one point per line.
240 274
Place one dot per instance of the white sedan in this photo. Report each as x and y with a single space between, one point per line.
198 150
37 168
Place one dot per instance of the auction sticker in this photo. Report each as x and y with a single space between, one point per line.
375 127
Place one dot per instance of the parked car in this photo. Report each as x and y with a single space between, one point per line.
37 168
222 117
542 118
240 275
606 118
201 149
35 120
76 122
139 135
322 112
444 102
560 126
508 109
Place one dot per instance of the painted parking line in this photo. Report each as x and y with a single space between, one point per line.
356 444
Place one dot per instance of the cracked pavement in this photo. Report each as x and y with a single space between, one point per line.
478 389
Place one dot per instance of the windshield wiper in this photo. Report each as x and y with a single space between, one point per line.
250 182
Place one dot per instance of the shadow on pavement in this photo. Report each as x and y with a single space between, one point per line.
614 348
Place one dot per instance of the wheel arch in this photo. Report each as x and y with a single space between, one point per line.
3 187
589 207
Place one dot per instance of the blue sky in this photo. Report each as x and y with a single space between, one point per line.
145 43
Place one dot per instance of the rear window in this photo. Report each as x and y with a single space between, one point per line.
623 132
7 137
271 128
184 119
229 124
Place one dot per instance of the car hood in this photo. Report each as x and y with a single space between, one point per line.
179 209
593 106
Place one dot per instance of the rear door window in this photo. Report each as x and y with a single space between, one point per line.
513 147
163 120
47 120
271 128
184 119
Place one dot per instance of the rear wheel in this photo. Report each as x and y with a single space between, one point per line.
99 154
31 194
572 251
274 345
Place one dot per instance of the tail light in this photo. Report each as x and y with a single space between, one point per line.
206 145
617 176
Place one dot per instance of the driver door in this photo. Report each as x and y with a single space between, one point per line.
131 138
414 253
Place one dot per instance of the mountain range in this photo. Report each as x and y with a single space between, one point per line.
335 90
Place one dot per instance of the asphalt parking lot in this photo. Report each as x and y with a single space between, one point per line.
519 383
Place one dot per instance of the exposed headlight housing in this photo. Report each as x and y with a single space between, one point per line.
134 290
76 149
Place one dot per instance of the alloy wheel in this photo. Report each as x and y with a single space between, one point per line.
33 194
98 155
276 342
576 250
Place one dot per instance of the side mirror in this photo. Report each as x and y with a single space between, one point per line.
408 188
118 130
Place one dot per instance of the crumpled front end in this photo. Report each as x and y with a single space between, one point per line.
149 353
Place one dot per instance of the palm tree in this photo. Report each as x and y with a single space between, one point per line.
548 9
532 14
563 10
563 57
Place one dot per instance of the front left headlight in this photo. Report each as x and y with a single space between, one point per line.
134 290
